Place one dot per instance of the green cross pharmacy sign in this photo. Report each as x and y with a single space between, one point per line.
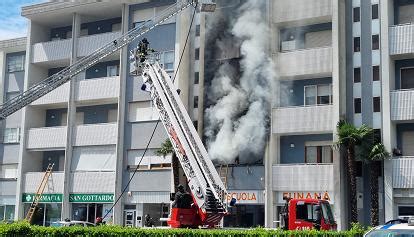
44 198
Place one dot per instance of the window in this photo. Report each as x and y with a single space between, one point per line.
407 78
377 104
196 77
307 212
357 105
197 30
357 14
195 123
375 11
112 71
168 60
15 63
197 54
318 154
375 73
116 27
318 94
357 75
195 101
7 212
357 44
8 171
375 42
11 135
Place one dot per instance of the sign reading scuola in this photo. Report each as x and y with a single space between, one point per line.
101 198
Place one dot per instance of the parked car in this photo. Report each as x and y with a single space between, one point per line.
394 228
72 223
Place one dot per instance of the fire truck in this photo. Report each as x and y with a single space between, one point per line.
307 213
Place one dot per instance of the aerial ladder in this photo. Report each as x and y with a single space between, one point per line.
208 191
47 85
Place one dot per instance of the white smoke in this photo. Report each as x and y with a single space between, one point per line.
237 124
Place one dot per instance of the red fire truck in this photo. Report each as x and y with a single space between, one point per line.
307 213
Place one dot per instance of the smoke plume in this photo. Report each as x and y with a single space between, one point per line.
237 121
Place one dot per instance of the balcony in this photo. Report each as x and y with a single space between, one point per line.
33 179
403 172
92 182
303 11
303 120
88 44
402 105
303 177
305 63
59 50
103 90
95 134
46 138
401 40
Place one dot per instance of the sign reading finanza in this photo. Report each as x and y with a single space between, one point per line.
95 198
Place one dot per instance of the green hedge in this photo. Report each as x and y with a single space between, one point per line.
24 229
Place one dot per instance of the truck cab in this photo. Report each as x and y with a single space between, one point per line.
302 214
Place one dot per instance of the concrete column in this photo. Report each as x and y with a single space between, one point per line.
123 75
339 107
3 69
388 128
71 120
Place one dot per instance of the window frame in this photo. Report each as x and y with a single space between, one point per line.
164 63
14 67
373 72
374 102
403 68
317 94
319 153
353 14
6 136
377 45
359 69
108 70
375 6
360 105
359 42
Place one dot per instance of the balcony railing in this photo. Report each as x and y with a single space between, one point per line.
303 177
104 89
313 62
33 179
303 119
46 138
302 10
95 134
52 51
401 39
92 182
403 172
90 43
402 105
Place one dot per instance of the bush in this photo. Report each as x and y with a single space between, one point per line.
26 230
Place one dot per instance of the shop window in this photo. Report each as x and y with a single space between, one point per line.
407 78
357 105
375 42
86 211
15 63
377 104
7 212
45 214
357 75
375 73
318 154
357 44
112 71
357 14
196 77
11 135
318 94
375 11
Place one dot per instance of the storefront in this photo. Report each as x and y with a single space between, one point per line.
49 209
87 207
248 211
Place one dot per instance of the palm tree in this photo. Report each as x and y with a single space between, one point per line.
377 154
165 149
349 137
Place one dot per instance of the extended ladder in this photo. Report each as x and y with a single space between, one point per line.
224 171
43 87
39 192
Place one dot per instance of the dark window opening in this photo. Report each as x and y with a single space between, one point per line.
357 44
195 101
407 78
357 105
357 14
375 42
195 123
377 104
375 73
375 11
197 54
196 77
357 75
197 30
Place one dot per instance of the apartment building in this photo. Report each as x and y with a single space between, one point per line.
12 61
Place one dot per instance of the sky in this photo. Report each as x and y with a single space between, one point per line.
12 24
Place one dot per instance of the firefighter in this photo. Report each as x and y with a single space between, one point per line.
318 217
98 220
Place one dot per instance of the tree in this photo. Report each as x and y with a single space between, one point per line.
377 154
349 137
166 148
